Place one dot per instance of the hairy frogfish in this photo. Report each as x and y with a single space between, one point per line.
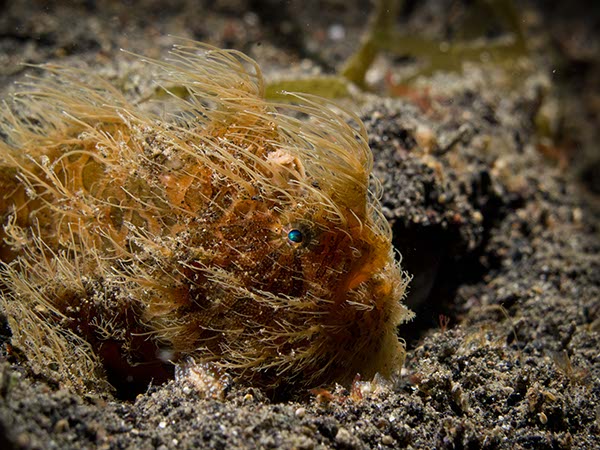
214 225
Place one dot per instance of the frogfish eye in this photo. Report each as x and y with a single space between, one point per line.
295 236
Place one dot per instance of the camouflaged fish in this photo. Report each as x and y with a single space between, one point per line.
226 228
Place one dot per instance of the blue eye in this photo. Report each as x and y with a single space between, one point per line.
295 236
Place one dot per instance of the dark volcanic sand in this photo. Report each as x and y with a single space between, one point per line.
490 179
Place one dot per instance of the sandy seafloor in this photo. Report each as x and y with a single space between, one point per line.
490 177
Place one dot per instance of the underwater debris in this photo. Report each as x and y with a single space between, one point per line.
381 36
227 229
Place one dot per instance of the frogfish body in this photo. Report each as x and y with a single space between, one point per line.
215 225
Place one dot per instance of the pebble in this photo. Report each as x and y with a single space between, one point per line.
61 426
343 437
387 440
